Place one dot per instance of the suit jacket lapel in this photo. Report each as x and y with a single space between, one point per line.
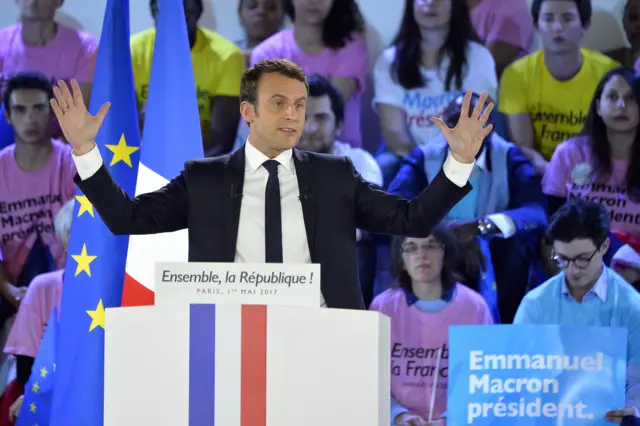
233 183
308 195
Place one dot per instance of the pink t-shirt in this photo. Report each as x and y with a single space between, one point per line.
29 202
43 294
571 173
508 21
349 62
416 338
71 54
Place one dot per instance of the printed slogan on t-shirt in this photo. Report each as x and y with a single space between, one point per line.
22 218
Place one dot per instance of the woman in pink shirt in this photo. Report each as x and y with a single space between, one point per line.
327 39
424 301
603 162
43 295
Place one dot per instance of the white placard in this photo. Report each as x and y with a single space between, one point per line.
242 283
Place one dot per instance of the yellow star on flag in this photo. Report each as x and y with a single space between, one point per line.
32 407
43 372
84 260
122 152
54 367
85 205
97 316
35 388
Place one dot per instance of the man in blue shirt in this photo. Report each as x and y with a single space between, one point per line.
587 292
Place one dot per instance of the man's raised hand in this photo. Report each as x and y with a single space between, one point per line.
465 140
78 126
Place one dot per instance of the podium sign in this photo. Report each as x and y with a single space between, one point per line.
242 283
246 365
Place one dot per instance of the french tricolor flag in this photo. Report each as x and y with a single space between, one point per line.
171 137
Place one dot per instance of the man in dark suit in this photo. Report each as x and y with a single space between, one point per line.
270 202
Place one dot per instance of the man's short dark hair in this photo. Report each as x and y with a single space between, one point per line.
583 6
579 218
250 78
320 86
27 80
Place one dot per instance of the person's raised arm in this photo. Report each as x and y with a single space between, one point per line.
381 212
164 210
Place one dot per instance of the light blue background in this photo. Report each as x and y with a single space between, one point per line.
600 391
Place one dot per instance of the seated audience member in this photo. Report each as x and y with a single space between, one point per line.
424 301
43 295
324 121
34 42
327 39
506 31
630 56
218 65
587 292
431 61
626 262
260 19
546 94
36 180
505 211
603 162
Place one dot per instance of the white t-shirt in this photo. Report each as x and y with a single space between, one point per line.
425 102
362 160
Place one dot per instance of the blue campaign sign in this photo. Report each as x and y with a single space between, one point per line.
535 375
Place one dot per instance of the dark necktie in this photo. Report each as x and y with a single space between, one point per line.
272 215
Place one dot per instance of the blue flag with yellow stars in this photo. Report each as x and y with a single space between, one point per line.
96 262
36 407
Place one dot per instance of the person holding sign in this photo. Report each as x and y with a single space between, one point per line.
586 292
424 301
270 202
602 164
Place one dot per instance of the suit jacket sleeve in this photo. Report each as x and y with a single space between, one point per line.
411 178
527 203
381 212
164 210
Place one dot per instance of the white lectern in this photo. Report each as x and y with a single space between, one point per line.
227 364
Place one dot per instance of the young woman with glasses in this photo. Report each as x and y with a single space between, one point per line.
423 302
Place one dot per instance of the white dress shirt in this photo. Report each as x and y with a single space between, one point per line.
250 247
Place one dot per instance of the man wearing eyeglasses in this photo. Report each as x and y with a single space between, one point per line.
586 292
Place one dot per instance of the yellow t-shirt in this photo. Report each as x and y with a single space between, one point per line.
218 65
557 109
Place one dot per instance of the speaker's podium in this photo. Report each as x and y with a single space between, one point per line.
244 345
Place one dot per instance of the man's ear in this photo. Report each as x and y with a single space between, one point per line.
6 115
605 245
248 112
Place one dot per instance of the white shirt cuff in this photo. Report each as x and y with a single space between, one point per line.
88 164
504 223
456 171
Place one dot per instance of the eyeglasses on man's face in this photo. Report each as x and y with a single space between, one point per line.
581 261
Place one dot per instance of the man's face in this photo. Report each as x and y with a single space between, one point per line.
192 13
320 129
261 18
30 115
277 119
581 261
631 22
43 10
559 26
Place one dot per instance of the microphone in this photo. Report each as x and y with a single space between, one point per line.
235 192
305 194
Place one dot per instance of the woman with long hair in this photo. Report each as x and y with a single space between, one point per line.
425 299
602 163
432 60
327 39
